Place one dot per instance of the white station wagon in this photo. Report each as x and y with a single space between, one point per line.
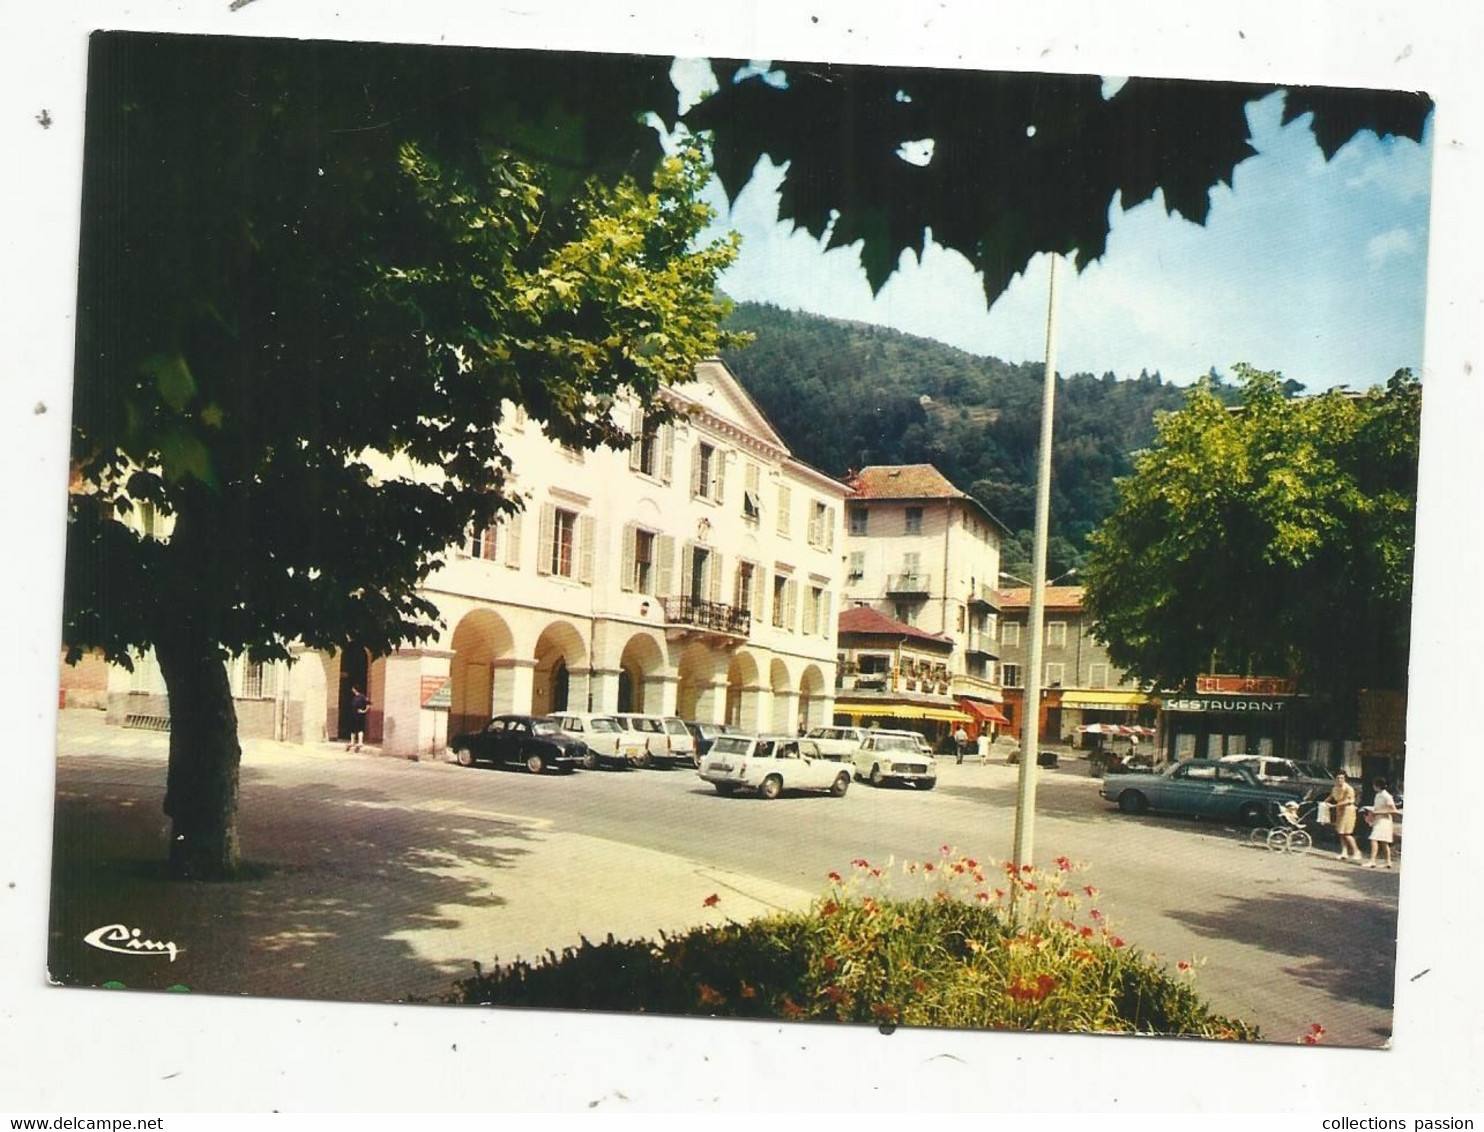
608 744
771 764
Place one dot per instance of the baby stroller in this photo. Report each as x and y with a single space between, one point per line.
1289 831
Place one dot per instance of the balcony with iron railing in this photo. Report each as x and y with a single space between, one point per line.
698 615
909 584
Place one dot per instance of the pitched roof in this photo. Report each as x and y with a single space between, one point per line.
863 619
1057 597
912 481
904 481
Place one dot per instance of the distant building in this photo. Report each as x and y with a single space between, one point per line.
894 675
1081 686
922 553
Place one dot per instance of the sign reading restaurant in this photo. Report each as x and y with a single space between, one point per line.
1226 703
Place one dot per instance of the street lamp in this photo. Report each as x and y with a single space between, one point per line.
1050 582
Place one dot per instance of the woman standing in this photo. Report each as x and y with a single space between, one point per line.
1382 822
1342 804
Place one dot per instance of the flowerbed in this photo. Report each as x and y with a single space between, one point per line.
950 943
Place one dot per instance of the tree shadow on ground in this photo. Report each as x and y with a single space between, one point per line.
1346 951
337 889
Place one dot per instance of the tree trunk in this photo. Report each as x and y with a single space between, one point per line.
202 786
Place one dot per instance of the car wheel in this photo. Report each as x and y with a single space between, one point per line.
772 787
1251 814
590 760
926 783
725 789
877 778
1132 802
535 763
465 756
842 784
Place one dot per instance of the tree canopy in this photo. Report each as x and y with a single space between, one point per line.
1272 538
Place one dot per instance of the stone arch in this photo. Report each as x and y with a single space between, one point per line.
743 696
641 667
481 639
697 695
561 670
785 698
813 709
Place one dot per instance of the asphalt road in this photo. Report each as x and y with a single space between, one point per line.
1282 941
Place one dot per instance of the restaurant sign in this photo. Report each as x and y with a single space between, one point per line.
1245 704
1244 685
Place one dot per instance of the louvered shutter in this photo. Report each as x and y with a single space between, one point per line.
630 542
790 604
759 594
826 617
546 551
784 503
587 547
721 474
829 529
636 430
665 566
512 540
687 565
667 437
713 583
695 470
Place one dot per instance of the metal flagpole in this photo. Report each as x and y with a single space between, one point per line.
1030 745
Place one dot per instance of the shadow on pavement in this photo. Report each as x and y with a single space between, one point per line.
1348 952
336 885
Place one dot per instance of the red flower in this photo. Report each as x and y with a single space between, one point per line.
1182 965
834 994
791 1009
1116 942
981 896
978 878
999 894
1025 868
918 986
927 867
861 863
830 964
1028 886
1064 894
1085 933
884 1011
710 996
875 872
1087 888
834 876
748 990
711 901
828 908
1063 863
1095 914
945 850
973 864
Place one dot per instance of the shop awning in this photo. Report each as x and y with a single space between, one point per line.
1109 699
902 711
987 713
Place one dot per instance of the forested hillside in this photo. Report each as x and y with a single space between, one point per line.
847 394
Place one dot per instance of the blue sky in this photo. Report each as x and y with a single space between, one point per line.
1314 268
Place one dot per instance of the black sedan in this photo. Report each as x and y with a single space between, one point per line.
519 740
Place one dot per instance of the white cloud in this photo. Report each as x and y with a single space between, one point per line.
1396 242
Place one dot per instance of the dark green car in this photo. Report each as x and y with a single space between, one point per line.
1203 788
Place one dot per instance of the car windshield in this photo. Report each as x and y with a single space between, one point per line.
895 743
602 723
730 745
545 727
676 727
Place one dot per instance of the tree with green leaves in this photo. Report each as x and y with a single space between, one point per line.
294 281
1274 538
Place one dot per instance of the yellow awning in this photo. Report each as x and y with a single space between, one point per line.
1108 697
902 711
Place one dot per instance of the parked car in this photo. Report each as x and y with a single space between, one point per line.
666 739
894 756
838 743
1202 787
771 764
535 742
1291 772
607 743
705 734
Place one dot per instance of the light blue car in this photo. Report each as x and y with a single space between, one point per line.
1201 787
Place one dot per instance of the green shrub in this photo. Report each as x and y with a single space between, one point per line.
955 952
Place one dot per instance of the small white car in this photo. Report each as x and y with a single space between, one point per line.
896 756
838 743
771 764
608 744
666 739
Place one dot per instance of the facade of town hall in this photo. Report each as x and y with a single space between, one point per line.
696 574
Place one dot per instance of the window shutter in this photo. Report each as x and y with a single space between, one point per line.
636 430
630 542
687 564
713 587
784 501
790 604
695 470
667 438
512 541
547 539
829 528
826 619
587 547
759 594
665 566
811 611
753 475
721 475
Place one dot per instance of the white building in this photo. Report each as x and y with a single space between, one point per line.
926 554
697 574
